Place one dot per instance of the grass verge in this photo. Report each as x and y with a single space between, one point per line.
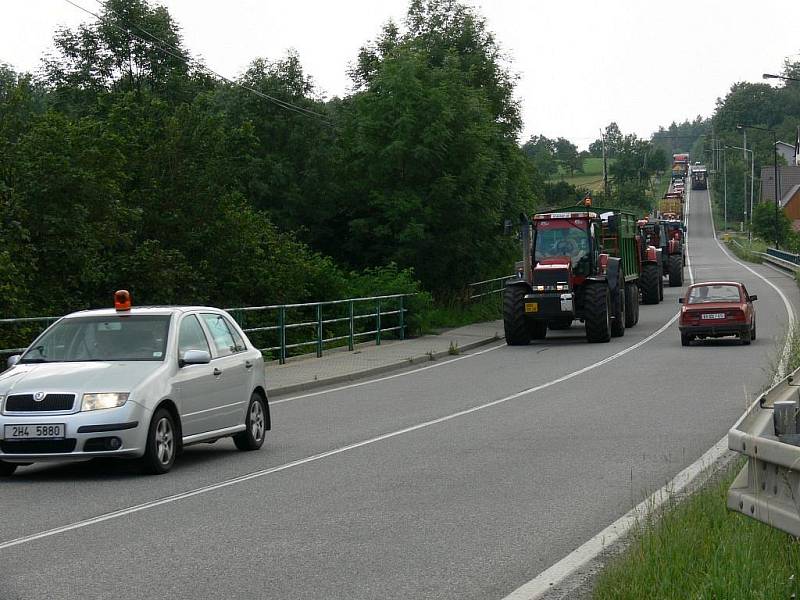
697 549
457 314
741 248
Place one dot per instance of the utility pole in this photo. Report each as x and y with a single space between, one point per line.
777 200
775 164
605 168
725 193
752 181
744 181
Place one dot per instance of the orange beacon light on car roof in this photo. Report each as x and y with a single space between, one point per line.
122 300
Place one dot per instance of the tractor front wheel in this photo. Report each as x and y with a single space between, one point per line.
650 283
631 304
619 313
514 325
597 313
675 270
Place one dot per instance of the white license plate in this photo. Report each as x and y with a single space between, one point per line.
714 316
41 431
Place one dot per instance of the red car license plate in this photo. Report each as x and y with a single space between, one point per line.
713 316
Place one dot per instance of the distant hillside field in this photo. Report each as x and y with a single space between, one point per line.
592 176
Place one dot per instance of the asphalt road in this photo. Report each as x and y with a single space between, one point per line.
462 481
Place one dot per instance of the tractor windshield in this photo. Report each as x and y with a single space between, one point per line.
563 237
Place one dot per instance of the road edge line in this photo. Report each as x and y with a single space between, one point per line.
546 581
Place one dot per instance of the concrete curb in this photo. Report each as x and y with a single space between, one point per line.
310 385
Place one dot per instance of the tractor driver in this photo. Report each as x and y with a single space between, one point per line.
571 243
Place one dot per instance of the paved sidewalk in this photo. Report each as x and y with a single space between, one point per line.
307 372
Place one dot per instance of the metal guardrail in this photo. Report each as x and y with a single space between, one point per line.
27 329
768 487
777 258
281 325
785 256
481 289
280 328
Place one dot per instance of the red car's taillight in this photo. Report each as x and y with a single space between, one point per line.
735 315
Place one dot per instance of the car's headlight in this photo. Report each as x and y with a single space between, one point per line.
104 400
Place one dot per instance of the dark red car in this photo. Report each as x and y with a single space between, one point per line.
715 309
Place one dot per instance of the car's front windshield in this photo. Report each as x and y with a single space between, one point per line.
102 338
714 293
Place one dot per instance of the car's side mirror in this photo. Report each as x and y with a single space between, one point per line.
680 300
194 357
12 360
753 298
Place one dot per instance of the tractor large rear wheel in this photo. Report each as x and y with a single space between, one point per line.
597 313
514 325
631 304
650 283
675 270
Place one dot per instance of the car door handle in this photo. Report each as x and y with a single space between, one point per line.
248 364
217 372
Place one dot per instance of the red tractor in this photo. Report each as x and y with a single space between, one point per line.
578 263
668 236
651 282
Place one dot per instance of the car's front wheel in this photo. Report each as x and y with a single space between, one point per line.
162 443
7 469
255 431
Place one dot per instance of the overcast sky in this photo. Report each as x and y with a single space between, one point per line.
582 63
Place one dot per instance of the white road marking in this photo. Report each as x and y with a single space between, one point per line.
581 556
386 378
262 473
781 370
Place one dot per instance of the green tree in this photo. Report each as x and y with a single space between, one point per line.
567 154
764 223
541 151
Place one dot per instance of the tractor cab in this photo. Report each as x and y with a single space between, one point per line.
566 239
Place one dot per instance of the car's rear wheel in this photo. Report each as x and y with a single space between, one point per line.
7 469
745 337
753 334
685 339
252 438
162 444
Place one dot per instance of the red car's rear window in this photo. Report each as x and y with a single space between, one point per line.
714 293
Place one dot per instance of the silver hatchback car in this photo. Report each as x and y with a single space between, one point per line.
133 383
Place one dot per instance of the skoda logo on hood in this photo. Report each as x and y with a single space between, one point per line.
38 396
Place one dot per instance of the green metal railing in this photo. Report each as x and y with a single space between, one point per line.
23 330
281 328
481 289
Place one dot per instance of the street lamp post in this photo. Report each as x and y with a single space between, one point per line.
770 76
725 187
775 165
752 180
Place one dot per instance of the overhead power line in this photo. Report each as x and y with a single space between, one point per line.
167 48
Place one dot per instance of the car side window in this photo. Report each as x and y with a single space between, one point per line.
240 345
191 336
220 334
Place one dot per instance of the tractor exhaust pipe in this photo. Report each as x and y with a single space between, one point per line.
525 236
